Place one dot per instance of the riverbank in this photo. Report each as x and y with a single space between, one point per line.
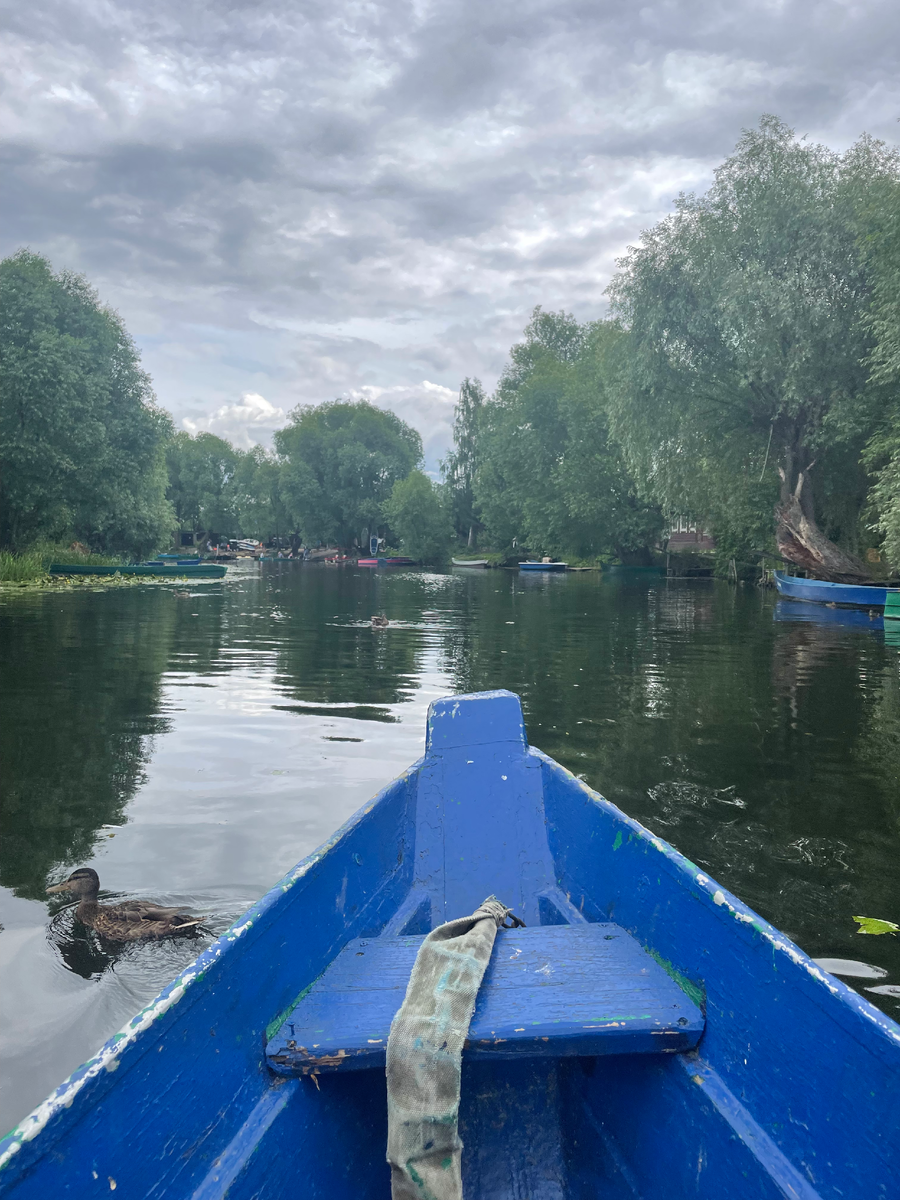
28 571
31 566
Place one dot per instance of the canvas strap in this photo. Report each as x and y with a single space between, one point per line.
424 1054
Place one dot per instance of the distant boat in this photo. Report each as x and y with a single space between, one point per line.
543 566
885 599
170 560
647 1034
161 570
469 562
397 561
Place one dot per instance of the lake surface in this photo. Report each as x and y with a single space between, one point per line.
192 744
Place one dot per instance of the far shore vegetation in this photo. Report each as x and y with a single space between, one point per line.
746 378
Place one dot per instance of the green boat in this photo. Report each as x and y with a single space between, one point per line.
162 570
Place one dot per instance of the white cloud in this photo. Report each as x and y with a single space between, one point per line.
427 407
249 423
348 199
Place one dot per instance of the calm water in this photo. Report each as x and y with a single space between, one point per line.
191 746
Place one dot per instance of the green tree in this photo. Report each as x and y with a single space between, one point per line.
81 436
255 490
340 461
742 382
548 474
202 470
881 248
462 461
417 513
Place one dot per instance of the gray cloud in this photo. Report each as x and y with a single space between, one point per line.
358 199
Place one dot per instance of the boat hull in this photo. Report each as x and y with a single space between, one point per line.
163 570
399 561
532 566
793 1090
469 562
851 595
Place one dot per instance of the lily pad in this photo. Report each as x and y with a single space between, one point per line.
874 925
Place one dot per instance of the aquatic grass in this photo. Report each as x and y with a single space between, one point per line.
21 568
95 583
30 566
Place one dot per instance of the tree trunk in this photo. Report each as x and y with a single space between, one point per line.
798 536
471 542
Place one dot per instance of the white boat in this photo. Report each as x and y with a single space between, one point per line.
469 562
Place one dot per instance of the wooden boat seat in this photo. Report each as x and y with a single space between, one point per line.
549 991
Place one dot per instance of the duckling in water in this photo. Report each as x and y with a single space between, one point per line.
125 922
380 622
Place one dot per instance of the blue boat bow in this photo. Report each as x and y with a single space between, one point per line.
647 1035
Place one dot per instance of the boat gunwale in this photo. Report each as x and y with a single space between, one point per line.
855 1015
823 987
790 587
131 1036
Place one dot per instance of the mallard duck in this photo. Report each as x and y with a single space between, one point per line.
380 622
125 922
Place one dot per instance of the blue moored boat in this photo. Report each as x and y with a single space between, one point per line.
542 566
852 595
647 1035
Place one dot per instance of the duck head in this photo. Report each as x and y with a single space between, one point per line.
83 882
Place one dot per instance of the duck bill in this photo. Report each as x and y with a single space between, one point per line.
58 887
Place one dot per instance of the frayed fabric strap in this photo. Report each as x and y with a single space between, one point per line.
424 1054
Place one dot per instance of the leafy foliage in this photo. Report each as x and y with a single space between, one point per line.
340 462
256 496
881 247
201 475
462 461
548 474
746 346
81 436
416 511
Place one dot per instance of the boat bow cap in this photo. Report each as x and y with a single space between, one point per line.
475 719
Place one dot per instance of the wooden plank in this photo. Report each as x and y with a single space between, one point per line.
549 991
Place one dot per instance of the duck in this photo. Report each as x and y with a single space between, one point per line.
380 622
126 922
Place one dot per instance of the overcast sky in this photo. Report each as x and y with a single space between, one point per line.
290 202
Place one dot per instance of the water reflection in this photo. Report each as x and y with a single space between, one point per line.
193 746
81 706
80 948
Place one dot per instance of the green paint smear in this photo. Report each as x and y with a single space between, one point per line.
618 842
274 1026
692 990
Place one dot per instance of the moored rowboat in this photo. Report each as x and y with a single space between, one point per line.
646 1035
852 595
469 562
161 570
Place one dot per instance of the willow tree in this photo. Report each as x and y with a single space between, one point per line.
882 454
548 473
745 364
